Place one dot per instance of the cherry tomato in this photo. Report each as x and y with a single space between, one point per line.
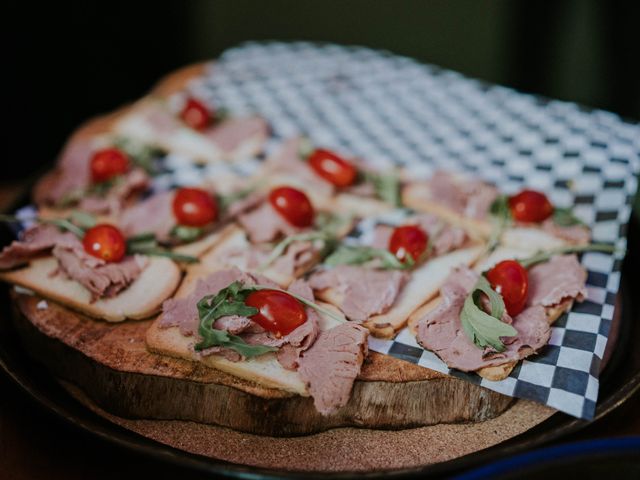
105 242
510 280
332 168
530 206
293 205
108 163
196 114
408 240
278 312
194 207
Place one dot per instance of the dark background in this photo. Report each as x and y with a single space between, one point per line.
70 60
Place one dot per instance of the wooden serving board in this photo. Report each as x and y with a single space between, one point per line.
112 365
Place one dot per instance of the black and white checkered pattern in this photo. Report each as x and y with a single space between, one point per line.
393 111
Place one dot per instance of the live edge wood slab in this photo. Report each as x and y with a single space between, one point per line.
110 363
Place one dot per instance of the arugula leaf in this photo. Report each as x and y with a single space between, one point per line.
186 234
564 217
140 154
228 301
83 219
224 201
387 186
360 254
485 329
154 251
543 256
500 218
305 148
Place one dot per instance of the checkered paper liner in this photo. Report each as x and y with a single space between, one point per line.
394 111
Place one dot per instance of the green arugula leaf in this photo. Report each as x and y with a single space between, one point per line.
140 154
360 254
543 256
228 301
224 201
564 217
153 251
387 186
282 246
83 219
485 329
500 218
186 234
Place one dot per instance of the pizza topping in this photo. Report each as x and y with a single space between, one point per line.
293 205
330 367
333 168
196 114
408 243
105 242
278 312
530 206
359 292
108 163
194 207
509 279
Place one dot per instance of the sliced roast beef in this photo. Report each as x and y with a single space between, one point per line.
560 278
576 234
297 255
332 364
441 330
102 279
72 173
124 188
264 224
34 241
229 135
362 292
152 215
471 198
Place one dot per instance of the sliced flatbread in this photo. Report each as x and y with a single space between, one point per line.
142 299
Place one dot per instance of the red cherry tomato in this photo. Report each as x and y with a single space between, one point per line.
408 240
105 242
278 312
293 205
530 206
332 168
194 207
108 163
510 280
196 114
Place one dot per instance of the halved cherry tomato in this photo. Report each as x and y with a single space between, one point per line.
108 163
530 206
332 168
293 205
510 280
278 312
106 242
196 114
408 240
194 207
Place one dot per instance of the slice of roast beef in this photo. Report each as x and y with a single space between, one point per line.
229 135
332 364
363 292
152 215
116 198
264 224
471 198
102 279
297 255
441 330
576 234
34 241
71 174
560 278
